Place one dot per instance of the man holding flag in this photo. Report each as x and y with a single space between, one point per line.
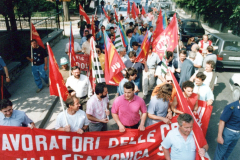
39 64
181 141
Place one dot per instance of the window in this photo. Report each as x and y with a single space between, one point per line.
231 46
192 24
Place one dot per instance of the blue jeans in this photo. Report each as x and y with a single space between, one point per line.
149 24
230 140
81 32
38 73
137 83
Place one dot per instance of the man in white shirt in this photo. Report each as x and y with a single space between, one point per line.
123 54
76 119
77 48
98 109
145 19
199 58
129 19
81 85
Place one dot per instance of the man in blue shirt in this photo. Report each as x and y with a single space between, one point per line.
100 37
10 117
135 48
181 141
130 76
131 39
84 39
141 37
228 131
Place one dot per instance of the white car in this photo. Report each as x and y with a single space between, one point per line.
235 86
122 10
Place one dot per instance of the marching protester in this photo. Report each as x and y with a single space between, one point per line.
139 20
178 64
64 70
204 91
4 94
141 37
86 45
228 131
98 109
198 61
148 76
39 64
74 119
84 38
125 109
81 85
135 48
181 141
101 56
123 54
82 24
100 37
12 117
209 56
77 48
203 44
159 107
131 39
110 24
128 20
130 76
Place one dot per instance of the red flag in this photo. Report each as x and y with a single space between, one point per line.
106 15
128 9
93 28
113 63
116 16
36 36
159 26
145 47
71 48
168 37
197 131
133 12
143 11
84 14
135 9
56 77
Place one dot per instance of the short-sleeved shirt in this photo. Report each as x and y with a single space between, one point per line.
180 149
83 24
192 100
100 33
152 61
157 107
18 118
77 47
160 73
138 66
198 60
125 58
208 57
155 91
150 17
231 116
208 79
121 84
204 92
140 39
97 108
128 111
38 55
76 121
2 63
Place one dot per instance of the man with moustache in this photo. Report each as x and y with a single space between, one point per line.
81 85
98 109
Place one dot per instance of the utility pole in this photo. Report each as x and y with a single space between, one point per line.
57 10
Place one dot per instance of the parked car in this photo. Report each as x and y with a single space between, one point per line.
191 27
227 49
234 82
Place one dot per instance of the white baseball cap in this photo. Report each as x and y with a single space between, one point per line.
63 61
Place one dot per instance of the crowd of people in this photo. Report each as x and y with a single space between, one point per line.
193 68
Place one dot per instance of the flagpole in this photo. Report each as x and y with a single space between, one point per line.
31 39
178 47
61 100
70 54
94 51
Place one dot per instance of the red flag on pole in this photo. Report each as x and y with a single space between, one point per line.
135 9
56 77
84 14
36 36
143 11
116 16
113 63
145 47
159 26
200 140
93 28
168 37
106 15
133 12
128 9
71 51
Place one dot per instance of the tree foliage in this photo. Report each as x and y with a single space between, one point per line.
226 12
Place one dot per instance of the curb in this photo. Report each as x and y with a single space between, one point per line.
42 124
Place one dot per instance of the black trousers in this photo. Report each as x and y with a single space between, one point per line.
4 94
